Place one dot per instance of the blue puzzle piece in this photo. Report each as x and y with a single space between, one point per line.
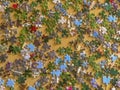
58 73
10 83
31 47
53 73
114 58
40 65
37 84
85 64
95 34
112 18
86 2
31 88
106 80
67 58
1 81
78 22
57 61
63 67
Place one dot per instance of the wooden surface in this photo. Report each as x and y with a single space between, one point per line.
64 43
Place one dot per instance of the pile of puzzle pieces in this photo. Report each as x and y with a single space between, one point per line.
59 45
